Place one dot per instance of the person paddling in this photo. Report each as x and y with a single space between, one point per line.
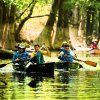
37 56
21 55
66 54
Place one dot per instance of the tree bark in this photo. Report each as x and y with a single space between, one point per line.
8 38
73 28
88 24
22 22
62 33
45 36
1 21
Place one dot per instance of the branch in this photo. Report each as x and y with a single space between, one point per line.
40 16
23 21
24 10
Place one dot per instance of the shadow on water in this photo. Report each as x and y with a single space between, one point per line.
18 76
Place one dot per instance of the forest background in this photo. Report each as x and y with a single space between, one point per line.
49 21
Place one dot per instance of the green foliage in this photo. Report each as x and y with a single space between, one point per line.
23 4
20 4
93 4
68 4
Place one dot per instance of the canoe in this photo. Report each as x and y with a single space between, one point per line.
47 67
40 69
94 51
67 65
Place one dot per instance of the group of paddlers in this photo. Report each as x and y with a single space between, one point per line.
21 56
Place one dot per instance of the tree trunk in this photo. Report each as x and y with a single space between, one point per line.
22 22
8 41
88 24
11 35
92 24
1 20
45 36
99 27
62 33
6 26
59 33
73 29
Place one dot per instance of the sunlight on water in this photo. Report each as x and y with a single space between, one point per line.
73 85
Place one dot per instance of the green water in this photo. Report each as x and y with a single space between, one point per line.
82 84
73 85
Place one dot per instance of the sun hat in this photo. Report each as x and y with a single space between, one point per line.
64 42
22 46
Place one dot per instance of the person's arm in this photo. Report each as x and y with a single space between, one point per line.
33 54
45 52
15 57
61 53
28 55
72 55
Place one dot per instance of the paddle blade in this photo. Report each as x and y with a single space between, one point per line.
91 63
2 65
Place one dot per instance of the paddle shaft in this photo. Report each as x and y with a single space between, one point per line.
2 65
91 63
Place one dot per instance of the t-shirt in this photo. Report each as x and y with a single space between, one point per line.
66 55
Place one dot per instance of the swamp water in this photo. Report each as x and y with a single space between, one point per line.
77 84
73 85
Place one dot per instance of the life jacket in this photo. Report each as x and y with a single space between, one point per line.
38 58
94 46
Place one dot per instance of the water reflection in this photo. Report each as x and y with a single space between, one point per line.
35 80
70 85
18 76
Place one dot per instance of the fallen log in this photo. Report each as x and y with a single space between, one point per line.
5 54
